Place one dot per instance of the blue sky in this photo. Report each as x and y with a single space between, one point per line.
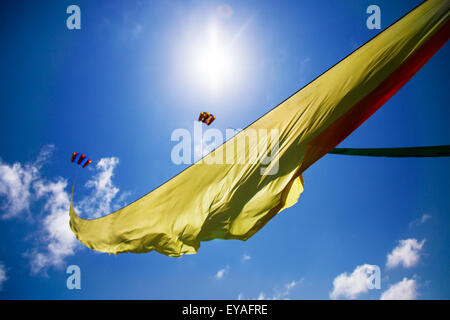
116 90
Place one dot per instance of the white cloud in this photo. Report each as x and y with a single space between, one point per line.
407 253
351 286
3 276
16 181
22 185
403 290
280 295
245 257
420 221
425 218
221 273
58 240
287 289
103 190
44 155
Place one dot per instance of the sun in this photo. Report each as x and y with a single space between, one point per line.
214 61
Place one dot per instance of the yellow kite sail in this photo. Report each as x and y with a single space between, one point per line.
234 200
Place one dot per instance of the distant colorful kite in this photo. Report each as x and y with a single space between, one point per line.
234 200
206 117
81 158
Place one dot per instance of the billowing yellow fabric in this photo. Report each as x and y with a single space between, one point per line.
234 200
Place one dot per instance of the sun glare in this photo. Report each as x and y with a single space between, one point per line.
214 63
